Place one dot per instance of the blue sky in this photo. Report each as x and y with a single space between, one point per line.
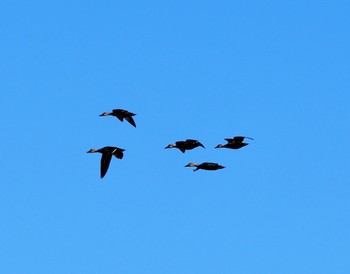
275 71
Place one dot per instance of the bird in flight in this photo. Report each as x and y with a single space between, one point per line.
234 143
185 145
107 153
205 166
121 114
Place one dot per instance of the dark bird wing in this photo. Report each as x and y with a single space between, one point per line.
105 160
119 117
130 120
118 113
212 166
238 138
118 153
182 149
229 140
200 144
241 138
181 145
129 113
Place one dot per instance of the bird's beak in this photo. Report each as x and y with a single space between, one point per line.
89 151
201 145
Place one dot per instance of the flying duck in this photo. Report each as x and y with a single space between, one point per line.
107 153
205 165
121 114
185 145
234 143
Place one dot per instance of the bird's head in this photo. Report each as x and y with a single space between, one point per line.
191 165
170 146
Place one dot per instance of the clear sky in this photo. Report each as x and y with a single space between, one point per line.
277 71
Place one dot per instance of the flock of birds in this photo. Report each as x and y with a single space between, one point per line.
108 152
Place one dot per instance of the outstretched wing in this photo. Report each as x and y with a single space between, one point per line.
118 153
181 145
130 120
241 138
105 160
182 149
238 138
200 144
118 113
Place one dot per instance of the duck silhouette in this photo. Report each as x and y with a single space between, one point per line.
236 142
188 144
121 114
107 153
205 166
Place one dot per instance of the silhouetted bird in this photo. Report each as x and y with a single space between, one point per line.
185 145
121 114
205 165
235 143
107 153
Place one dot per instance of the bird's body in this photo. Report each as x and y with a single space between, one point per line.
205 166
121 114
107 153
188 144
234 143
